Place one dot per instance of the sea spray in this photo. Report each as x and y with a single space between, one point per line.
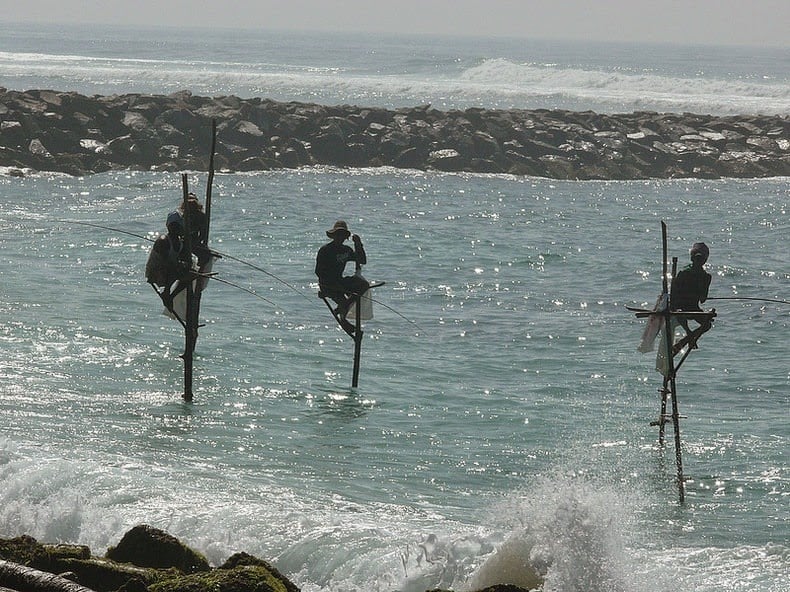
570 538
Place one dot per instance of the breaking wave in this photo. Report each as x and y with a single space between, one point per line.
627 91
494 83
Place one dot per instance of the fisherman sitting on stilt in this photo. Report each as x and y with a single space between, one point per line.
329 266
165 270
689 290
197 229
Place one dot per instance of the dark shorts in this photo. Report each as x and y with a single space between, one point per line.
346 285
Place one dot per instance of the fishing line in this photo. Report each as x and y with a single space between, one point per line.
148 238
213 252
253 292
242 261
407 319
253 266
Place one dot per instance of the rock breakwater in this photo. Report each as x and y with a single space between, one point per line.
68 132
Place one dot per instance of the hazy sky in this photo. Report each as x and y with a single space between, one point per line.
751 22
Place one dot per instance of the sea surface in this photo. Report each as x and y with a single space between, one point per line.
501 425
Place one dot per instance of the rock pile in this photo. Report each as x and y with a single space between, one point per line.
72 133
145 560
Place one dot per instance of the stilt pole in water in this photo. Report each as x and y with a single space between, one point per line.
668 367
670 388
194 290
663 415
354 331
357 339
675 410
665 387
190 329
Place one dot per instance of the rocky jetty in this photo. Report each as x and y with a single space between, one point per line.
47 130
145 560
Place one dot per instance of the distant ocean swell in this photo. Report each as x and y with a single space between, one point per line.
494 83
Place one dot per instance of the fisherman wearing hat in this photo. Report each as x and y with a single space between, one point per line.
331 262
164 266
690 286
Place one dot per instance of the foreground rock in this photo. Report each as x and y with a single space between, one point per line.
68 132
145 560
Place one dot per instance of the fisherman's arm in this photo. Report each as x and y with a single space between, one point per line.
320 263
704 288
359 251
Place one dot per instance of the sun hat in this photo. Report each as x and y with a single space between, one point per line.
699 250
340 225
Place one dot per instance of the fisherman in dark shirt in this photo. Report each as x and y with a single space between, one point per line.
164 267
331 262
690 286
198 227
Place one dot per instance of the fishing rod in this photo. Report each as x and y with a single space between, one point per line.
748 298
213 252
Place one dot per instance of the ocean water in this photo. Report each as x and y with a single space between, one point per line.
500 430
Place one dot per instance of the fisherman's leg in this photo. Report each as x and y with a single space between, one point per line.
355 285
703 328
164 293
353 288
337 296
685 324
174 290
343 304
203 255
170 292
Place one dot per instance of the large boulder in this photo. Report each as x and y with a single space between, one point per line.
146 546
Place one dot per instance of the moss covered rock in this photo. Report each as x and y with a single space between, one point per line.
26 550
243 578
245 559
146 546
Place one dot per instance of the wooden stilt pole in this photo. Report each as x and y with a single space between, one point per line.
678 453
662 418
667 333
354 331
193 291
190 331
669 368
670 388
357 339
210 182
676 410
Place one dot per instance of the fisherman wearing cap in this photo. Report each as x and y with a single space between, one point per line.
164 266
331 262
690 286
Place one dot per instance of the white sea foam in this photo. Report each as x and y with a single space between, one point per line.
571 538
494 83
629 91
